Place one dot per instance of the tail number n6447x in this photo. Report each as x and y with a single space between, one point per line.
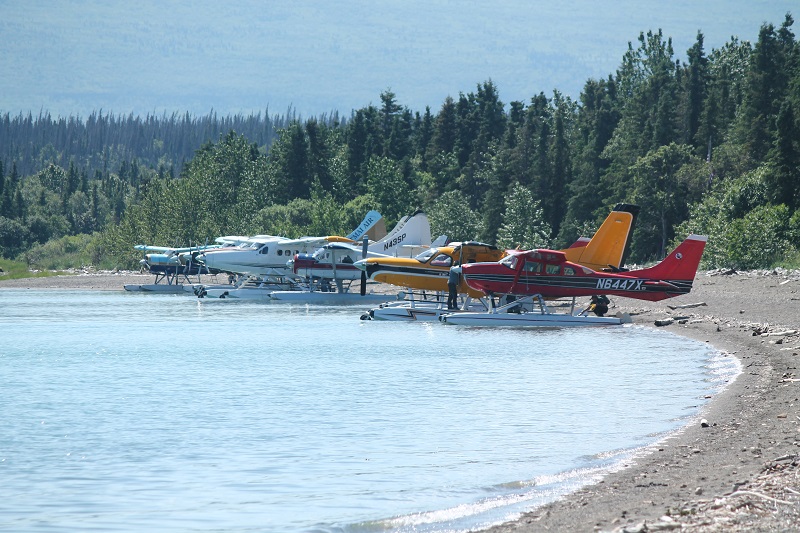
620 284
394 242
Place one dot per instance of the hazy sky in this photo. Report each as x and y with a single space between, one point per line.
72 57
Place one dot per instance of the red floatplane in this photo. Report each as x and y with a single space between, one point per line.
541 273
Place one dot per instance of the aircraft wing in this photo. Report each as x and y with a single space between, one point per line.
343 246
310 241
156 249
167 250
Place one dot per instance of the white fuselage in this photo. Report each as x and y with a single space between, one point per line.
410 236
258 257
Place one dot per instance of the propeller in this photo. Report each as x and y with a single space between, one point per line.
364 245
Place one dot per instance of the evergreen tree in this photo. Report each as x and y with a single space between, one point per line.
423 135
389 113
467 125
386 184
523 225
666 181
296 162
444 132
357 150
491 116
597 117
319 155
767 83
784 176
450 215
695 91
554 203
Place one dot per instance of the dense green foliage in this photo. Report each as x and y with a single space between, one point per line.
711 145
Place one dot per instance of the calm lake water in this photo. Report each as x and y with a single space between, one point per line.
131 412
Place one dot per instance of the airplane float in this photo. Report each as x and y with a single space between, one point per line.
429 271
537 274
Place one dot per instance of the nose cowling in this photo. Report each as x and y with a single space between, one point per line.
301 261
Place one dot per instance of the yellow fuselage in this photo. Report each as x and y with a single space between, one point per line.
432 273
429 271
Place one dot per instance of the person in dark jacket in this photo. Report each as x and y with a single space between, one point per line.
599 304
453 281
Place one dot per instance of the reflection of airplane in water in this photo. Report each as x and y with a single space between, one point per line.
538 274
429 271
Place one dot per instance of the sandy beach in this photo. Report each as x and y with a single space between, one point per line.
735 468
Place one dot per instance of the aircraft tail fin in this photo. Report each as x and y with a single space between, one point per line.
580 243
411 230
681 264
441 240
369 221
611 242
378 231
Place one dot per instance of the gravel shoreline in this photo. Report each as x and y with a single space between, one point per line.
738 472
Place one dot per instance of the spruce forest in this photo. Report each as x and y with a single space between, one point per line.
708 145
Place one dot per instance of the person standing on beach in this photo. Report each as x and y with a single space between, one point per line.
453 281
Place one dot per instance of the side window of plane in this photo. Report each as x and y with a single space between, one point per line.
442 260
553 269
264 250
533 266
280 253
569 271
347 259
287 252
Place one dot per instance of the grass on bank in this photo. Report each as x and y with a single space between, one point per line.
790 262
18 270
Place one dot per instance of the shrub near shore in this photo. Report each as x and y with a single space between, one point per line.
19 270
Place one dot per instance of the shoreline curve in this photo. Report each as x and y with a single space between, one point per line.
741 472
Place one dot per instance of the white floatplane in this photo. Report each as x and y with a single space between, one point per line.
330 291
259 262
330 271
336 260
268 256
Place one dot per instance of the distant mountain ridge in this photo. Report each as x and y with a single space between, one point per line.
72 59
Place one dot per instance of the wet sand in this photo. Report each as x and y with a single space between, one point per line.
739 471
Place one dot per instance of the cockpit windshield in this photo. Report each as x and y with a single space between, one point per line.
509 261
425 256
